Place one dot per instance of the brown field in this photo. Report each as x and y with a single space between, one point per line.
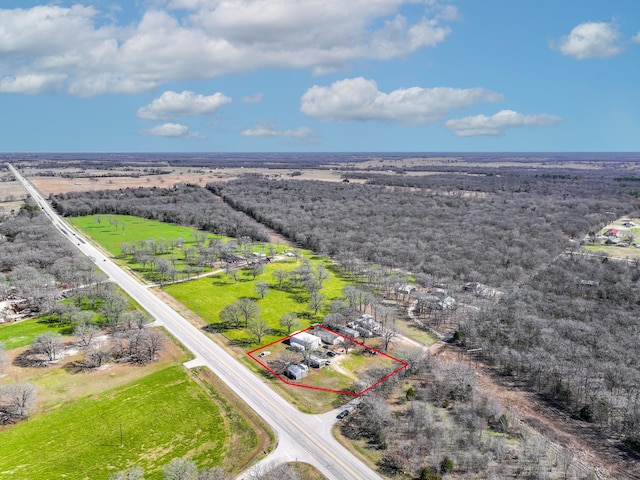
52 185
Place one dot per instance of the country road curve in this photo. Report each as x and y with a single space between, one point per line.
301 437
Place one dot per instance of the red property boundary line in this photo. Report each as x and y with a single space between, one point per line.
402 363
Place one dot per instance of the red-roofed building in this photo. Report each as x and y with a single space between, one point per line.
612 232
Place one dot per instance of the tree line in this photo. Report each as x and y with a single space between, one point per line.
183 204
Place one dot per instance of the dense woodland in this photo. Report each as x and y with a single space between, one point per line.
35 260
495 236
183 204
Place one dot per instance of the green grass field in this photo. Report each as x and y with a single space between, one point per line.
164 415
135 229
208 296
20 334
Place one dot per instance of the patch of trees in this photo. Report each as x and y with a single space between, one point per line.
36 259
571 335
184 204
441 424
511 226
186 469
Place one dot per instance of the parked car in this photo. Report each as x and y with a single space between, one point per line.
265 353
342 414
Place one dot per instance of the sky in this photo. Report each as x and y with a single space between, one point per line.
319 75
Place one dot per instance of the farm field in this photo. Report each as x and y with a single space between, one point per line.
181 419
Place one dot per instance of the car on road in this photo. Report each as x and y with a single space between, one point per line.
342 414
265 353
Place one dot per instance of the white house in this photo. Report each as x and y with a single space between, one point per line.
308 341
328 337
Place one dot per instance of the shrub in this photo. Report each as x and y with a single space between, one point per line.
446 465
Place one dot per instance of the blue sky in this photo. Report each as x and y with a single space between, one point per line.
319 75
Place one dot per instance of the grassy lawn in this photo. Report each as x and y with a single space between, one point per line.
614 251
22 333
208 296
163 415
135 229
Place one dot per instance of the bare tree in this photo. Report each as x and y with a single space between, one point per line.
113 304
18 399
181 469
134 319
322 274
280 276
289 320
85 333
388 334
316 301
132 473
231 315
262 288
281 472
48 344
258 327
215 473
248 309
256 269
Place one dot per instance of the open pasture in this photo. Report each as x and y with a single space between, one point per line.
147 423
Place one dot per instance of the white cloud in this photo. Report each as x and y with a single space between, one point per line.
267 130
636 38
198 39
496 124
186 104
255 98
591 40
31 83
171 130
359 99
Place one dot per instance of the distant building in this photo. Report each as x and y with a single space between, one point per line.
612 232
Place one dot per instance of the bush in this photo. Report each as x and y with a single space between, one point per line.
633 442
446 465
586 413
427 474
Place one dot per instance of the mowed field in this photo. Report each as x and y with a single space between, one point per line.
164 415
135 229
164 410
208 296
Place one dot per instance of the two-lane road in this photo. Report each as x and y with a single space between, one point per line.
303 437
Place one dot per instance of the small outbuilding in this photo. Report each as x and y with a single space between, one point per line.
317 362
297 372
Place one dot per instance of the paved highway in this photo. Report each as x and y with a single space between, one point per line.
301 437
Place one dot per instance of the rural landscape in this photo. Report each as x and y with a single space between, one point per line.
456 316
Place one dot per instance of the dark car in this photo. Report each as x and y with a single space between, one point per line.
343 414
